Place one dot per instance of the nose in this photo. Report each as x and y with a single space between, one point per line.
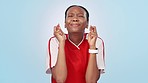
75 19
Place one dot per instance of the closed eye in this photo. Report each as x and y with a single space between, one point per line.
70 15
81 16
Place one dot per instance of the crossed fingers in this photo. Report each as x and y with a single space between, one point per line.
57 30
93 31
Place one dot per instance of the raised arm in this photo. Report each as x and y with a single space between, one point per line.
59 71
92 72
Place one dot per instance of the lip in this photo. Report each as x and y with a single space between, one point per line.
75 25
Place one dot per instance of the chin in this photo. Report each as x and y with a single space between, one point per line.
76 32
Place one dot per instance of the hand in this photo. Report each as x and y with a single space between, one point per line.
59 34
92 37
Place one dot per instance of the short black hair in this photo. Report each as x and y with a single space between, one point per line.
87 13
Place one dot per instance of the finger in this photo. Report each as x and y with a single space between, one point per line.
91 28
59 30
58 27
93 34
54 28
94 29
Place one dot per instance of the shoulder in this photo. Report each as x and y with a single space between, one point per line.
52 39
100 40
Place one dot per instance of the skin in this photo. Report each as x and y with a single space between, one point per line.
75 22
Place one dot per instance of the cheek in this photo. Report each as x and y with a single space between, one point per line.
84 22
68 20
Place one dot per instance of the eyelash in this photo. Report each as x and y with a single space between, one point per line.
72 16
81 16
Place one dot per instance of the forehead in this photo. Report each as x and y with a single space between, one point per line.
76 9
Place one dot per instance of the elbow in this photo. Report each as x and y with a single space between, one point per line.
60 79
92 79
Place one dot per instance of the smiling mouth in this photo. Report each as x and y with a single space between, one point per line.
75 25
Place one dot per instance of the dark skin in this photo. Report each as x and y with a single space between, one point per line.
76 22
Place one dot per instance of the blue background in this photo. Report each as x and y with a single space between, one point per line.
26 25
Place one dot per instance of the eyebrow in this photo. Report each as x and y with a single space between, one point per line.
78 13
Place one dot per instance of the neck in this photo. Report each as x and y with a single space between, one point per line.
76 38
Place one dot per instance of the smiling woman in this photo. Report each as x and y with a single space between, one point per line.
25 26
76 20
76 57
